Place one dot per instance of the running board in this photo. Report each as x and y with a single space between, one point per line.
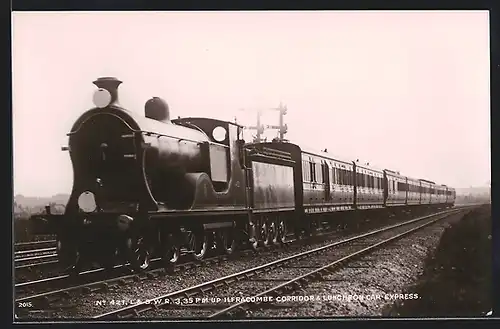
211 226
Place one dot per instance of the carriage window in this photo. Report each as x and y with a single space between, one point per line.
312 169
306 171
319 173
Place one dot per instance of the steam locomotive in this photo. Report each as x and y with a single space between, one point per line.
148 186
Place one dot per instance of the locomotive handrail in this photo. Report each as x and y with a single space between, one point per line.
260 155
72 132
190 125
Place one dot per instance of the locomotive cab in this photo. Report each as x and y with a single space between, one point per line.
217 150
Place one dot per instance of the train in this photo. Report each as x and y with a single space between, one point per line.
150 186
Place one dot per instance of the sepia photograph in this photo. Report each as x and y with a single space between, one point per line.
251 165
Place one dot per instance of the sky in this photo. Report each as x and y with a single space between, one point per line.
406 91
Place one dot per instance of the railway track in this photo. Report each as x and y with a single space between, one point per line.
222 296
20 246
35 254
62 286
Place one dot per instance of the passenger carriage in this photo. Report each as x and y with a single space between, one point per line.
396 192
369 187
426 191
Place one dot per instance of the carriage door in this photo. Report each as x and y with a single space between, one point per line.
326 180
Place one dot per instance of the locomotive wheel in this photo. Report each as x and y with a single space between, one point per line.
139 255
314 227
198 243
281 231
175 254
255 243
273 233
172 251
299 233
266 233
68 256
108 258
227 241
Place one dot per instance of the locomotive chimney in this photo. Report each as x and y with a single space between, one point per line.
109 84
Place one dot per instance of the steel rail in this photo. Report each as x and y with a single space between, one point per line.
35 251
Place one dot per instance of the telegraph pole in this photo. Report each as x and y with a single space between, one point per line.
281 127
